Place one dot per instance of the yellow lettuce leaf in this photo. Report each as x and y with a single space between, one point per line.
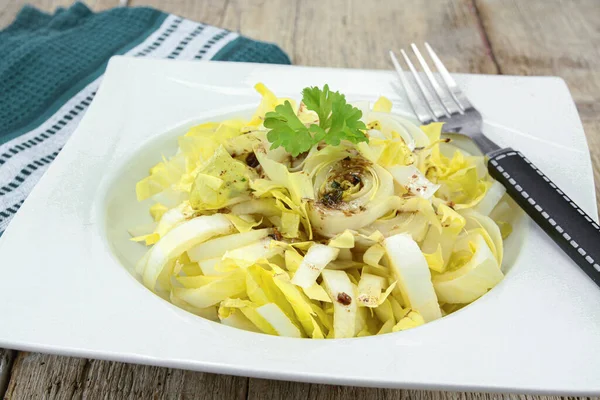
268 103
248 308
157 211
211 293
412 320
383 104
222 181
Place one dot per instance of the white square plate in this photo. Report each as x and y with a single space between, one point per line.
63 287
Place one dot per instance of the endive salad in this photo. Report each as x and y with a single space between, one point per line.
322 219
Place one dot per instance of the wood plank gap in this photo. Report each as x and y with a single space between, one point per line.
248 388
7 358
484 37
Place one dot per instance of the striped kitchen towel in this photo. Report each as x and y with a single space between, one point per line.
52 65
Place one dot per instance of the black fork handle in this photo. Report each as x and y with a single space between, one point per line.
577 234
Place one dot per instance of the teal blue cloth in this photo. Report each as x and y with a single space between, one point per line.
49 70
42 56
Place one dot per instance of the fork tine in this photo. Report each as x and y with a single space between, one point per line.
431 102
457 94
448 104
421 112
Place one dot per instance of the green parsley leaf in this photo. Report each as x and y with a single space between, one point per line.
338 121
320 102
345 123
287 130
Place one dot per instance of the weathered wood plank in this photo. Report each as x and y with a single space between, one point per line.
265 390
552 38
44 376
271 21
209 12
38 375
112 380
359 34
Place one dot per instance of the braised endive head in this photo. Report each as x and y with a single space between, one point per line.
350 191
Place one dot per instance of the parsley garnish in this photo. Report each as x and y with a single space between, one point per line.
338 121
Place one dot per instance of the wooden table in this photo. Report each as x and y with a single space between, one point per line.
540 37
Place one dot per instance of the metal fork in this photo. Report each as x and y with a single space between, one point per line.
563 220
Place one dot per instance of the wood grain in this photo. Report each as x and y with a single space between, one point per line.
209 12
270 21
267 390
45 376
359 34
62 377
480 36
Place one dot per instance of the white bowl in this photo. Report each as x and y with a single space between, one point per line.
63 287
